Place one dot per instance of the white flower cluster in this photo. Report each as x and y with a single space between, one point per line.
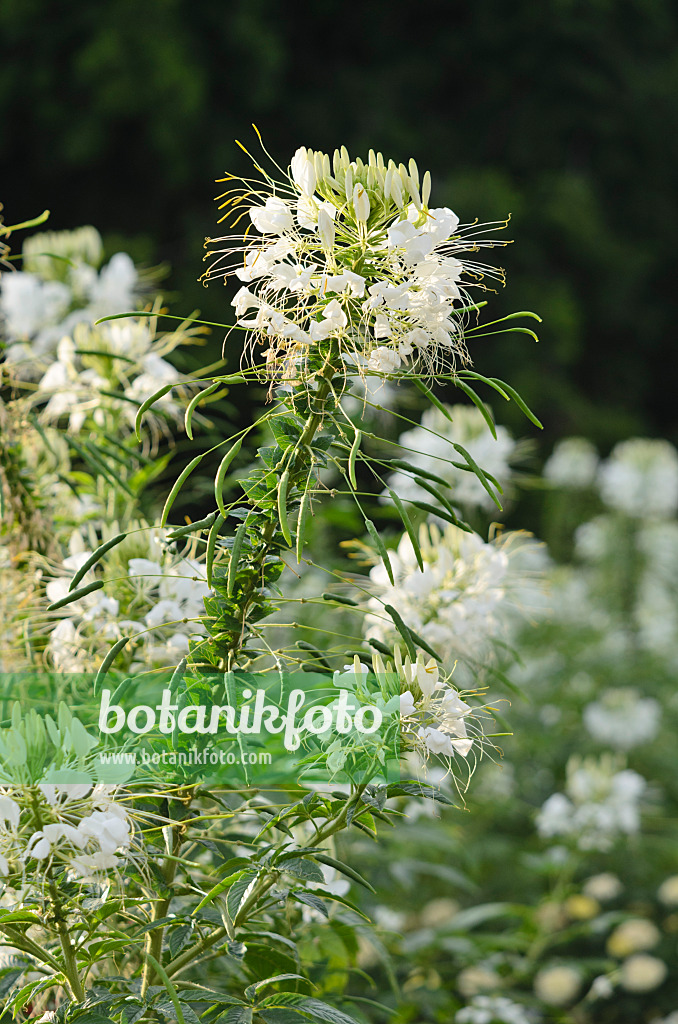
126 362
350 250
76 826
495 1010
622 719
156 599
432 712
573 463
461 601
60 286
655 597
602 803
640 478
429 447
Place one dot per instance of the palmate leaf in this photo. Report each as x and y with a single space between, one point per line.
311 900
251 990
170 1010
221 886
316 1009
236 894
263 961
236 1015
418 789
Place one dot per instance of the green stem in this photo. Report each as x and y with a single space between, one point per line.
67 948
191 954
153 944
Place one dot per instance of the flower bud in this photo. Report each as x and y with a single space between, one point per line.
361 203
426 188
303 171
326 228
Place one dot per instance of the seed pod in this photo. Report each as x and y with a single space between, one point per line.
94 558
282 506
221 475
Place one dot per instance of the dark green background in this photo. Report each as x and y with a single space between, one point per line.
121 113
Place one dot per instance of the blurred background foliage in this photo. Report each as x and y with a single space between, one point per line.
561 113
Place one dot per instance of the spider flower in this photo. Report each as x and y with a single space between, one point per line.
351 251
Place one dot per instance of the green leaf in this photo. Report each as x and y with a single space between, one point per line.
470 917
311 900
236 1015
236 894
345 869
251 990
286 430
179 938
303 868
220 887
324 1012
418 789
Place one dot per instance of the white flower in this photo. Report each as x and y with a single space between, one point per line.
28 304
334 319
632 936
574 463
604 886
407 706
668 891
601 804
557 986
494 1010
429 447
274 218
642 973
384 360
10 812
640 478
475 979
411 268
621 719
110 831
601 988
113 290
462 600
